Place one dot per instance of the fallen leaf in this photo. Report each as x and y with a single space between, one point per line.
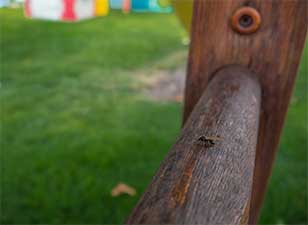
178 98
122 188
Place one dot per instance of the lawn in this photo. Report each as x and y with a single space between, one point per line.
74 121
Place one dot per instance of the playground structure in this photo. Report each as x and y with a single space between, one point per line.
149 6
75 10
66 10
243 61
124 5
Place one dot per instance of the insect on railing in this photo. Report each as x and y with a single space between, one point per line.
209 170
244 55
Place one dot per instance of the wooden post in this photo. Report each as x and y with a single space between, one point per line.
271 49
207 176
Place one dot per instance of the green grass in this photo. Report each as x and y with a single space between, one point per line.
74 124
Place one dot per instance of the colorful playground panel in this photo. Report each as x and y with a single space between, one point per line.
74 10
66 10
124 5
149 6
116 4
101 7
140 5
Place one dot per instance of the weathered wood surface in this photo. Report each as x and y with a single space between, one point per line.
272 52
207 176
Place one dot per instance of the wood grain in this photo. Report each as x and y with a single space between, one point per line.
209 184
273 53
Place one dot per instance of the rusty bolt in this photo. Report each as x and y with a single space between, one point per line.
246 20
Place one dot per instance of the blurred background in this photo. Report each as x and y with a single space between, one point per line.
91 102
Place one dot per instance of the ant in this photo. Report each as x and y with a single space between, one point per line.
209 141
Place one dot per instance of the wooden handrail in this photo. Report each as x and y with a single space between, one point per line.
207 176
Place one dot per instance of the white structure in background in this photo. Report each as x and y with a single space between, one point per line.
52 10
65 10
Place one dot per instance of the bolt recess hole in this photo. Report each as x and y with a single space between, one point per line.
246 21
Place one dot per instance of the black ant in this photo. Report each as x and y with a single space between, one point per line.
209 141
